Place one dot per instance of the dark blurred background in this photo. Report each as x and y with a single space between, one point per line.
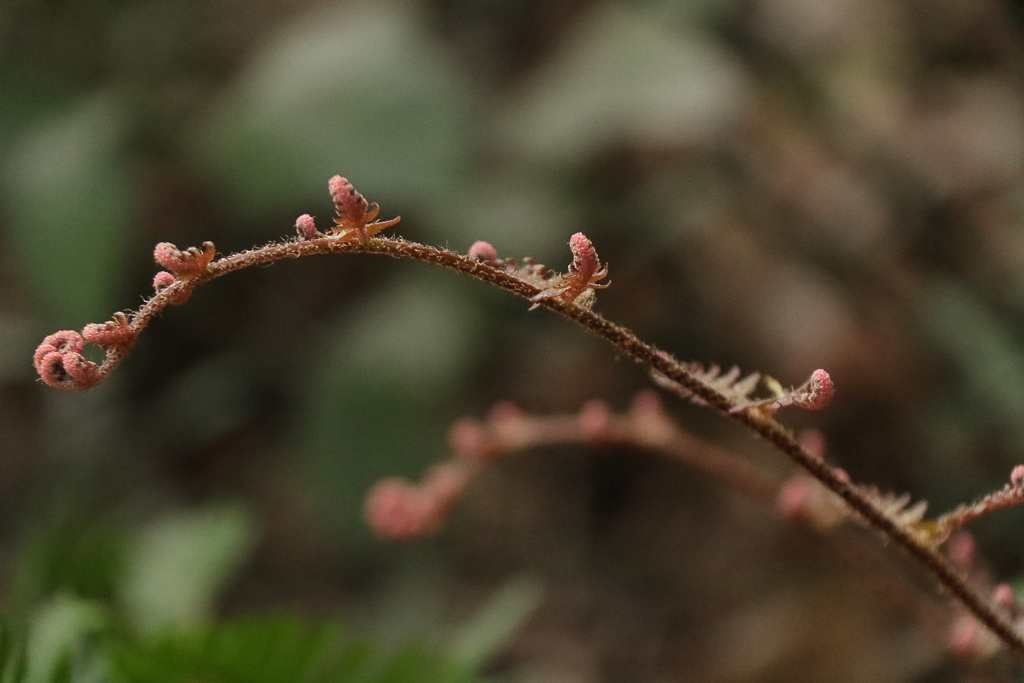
779 184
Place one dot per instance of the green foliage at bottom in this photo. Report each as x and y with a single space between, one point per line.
246 650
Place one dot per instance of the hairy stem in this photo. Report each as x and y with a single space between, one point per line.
628 343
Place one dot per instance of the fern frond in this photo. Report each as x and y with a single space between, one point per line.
814 394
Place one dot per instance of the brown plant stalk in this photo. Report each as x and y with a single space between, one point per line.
61 365
398 509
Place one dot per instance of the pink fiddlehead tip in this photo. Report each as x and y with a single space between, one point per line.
964 636
1017 476
305 226
470 441
354 212
184 264
819 391
116 332
483 251
594 419
794 497
397 509
162 280
60 363
585 272
584 257
348 202
1004 596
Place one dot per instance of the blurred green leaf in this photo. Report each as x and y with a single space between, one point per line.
624 76
250 650
84 559
359 90
991 361
276 650
378 402
30 94
71 199
414 664
497 622
177 567
54 630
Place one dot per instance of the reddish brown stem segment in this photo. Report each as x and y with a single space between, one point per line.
623 339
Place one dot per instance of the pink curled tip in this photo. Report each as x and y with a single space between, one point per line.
814 394
348 203
306 227
1017 476
1004 596
594 420
585 273
469 439
354 212
184 264
483 251
399 510
65 341
794 497
964 637
819 391
50 368
84 372
162 280
116 332
60 363
584 257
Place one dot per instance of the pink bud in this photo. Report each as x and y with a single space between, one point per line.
184 264
1017 476
83 372
116 332
483 251
819 391
794 497
398 510
50 367
351 207
594 420
162 280
347 200
306 227
1004 596
584 257
61 342
60 363
964 636
469 439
